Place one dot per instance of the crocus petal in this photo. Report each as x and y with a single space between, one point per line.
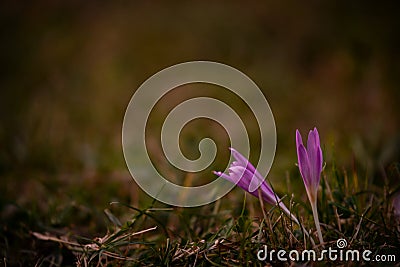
316 136
318 166
304 164
247 177
239 157
253 183
244 177
267 194
315 156
257 179
242 160
313 148
233 179
312 145
239 174
299 140
225 176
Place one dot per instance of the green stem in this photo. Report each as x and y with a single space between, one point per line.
316 220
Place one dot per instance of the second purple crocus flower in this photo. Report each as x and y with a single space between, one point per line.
245 175
310 166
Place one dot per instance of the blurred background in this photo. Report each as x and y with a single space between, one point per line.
69 69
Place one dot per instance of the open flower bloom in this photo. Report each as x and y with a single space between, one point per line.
310 162
243 173
310 166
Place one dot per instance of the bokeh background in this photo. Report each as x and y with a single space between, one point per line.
69 69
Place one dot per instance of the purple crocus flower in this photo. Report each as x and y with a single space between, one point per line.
310 162
245 175
310 166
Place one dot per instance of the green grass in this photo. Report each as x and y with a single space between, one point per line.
228 232
70 69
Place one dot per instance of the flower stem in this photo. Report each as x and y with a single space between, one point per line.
316 220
